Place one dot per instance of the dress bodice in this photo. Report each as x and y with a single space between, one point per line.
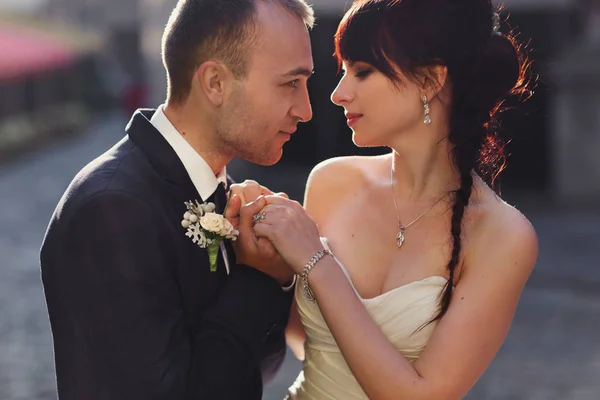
402 314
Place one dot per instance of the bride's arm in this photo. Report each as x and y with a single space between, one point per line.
465 341
318 204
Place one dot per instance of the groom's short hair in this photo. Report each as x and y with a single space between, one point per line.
224 30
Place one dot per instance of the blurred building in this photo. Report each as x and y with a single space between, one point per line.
120 62
575 113
44 74
67 60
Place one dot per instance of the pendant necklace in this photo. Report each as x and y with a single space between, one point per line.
400 236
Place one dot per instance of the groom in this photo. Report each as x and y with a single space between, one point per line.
135 311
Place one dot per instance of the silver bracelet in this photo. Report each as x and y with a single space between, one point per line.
304 276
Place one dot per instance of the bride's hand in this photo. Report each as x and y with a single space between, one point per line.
241 194
291 230
258 252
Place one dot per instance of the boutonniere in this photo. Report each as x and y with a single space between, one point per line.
207 229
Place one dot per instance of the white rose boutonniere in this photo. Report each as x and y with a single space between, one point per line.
207 229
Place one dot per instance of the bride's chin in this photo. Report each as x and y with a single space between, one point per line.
362 141
358 139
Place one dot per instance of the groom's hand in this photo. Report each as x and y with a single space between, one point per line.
241 194
232 211
256 252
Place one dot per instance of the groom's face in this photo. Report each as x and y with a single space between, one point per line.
266 106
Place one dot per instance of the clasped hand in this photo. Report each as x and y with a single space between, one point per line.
277 236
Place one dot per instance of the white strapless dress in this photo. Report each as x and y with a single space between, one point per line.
399 313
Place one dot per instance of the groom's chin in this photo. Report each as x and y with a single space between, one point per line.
267 160
273 160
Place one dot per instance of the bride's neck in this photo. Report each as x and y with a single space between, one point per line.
425 173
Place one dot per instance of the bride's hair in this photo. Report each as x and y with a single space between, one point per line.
484 65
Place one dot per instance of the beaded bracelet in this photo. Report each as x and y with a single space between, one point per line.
304 276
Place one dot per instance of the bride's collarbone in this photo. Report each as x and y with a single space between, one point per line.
367 245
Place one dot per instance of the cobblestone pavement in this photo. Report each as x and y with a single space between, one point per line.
552 352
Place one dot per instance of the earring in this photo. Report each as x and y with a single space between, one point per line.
427 120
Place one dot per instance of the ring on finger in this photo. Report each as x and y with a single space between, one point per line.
260 217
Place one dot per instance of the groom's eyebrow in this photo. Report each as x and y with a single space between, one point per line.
300 71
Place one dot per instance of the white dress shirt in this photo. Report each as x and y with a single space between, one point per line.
200 172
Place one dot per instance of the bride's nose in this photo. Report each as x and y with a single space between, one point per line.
342 94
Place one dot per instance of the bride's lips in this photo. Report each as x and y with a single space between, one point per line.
352 118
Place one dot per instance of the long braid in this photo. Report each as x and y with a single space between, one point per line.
462 196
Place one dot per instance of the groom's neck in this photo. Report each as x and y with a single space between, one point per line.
198 129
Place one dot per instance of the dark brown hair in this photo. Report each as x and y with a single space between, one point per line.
484 68
224 30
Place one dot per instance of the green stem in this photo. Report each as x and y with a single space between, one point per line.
213 254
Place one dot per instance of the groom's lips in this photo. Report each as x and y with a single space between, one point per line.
288 135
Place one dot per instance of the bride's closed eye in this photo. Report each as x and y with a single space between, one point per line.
360 70
363 73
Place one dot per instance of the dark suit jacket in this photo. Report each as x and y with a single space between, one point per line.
135 311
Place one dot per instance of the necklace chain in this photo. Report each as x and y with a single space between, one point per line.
400 235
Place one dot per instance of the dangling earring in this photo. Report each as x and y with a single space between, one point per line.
426 107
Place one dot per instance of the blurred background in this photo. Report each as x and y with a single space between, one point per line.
73 71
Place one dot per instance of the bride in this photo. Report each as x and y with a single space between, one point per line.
410 265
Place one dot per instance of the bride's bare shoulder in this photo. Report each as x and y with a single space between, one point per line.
345 173
500 232
333 180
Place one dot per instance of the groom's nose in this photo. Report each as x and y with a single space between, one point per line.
301 109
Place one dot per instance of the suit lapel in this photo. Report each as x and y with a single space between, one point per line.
158 151
166 162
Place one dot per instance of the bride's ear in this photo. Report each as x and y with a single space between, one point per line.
433 80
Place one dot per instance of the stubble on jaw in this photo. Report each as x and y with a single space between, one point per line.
240 135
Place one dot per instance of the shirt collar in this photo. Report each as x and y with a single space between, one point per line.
200 173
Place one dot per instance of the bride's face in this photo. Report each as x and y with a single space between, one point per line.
378 110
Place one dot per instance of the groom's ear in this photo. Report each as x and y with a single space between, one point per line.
212 78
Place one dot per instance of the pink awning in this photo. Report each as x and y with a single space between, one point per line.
23 52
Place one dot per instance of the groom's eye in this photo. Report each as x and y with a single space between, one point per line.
294 83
